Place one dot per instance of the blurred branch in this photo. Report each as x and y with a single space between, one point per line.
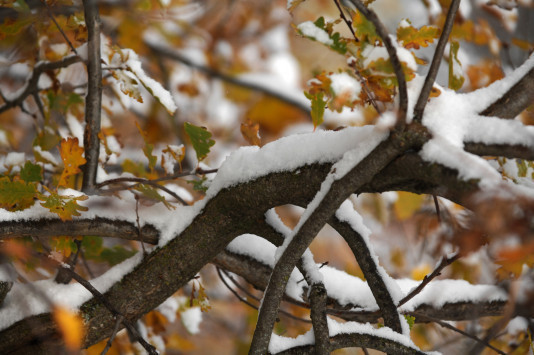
448 326
31 85
500 150
436 61
93 100
174 55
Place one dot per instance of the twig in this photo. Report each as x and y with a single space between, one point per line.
93 100
436 60
82 256
139 235
100 297
230 79
141 181
287 314
395 62
112 337
51 15
197 171
347 21
448 326
437 271
31 85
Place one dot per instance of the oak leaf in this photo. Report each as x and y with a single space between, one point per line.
72 156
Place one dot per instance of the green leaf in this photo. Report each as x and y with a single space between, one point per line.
456 79
317 107
64 206
151 193
200 138
198 185
16 195
31 172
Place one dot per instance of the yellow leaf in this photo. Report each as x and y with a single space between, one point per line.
71 327
407 204
71 154
420 272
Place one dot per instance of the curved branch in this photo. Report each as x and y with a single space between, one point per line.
318 299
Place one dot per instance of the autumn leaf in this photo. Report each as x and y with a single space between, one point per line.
411 37
173 154
456 79
251 132
71 327
71 154
16 194
317 107
64 206
200 139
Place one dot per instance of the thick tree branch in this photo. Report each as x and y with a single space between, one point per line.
93 100
436 61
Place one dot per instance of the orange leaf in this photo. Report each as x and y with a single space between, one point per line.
251 132
71 154
70 326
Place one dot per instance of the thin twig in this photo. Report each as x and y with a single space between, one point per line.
437 271
448 326
84 260
436 60
141 181
139 224
347 21
112 337
287 314
197 171
100 297
51 15
93 100
436 204
395 62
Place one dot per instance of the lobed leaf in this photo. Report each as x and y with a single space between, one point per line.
16 194
72 156
64 206
411 37
200 139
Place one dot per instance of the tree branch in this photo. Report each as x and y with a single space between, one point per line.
436 61
318 298
31 85
93 100
515 100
